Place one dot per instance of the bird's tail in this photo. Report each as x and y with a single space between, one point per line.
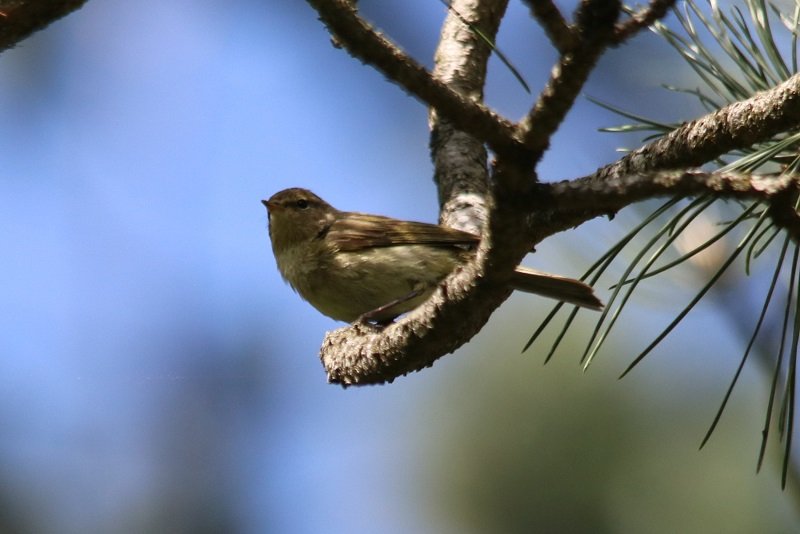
555 287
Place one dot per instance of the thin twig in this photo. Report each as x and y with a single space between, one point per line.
656 10
594 23
363 42
553 23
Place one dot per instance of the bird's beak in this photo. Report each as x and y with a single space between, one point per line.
266 204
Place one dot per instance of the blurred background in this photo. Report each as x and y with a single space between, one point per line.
157 375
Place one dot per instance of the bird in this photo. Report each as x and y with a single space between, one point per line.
355 266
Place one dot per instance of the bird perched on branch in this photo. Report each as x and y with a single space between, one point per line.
354 266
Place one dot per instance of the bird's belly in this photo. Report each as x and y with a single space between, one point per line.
351 284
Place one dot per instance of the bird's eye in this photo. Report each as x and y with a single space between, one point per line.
302 203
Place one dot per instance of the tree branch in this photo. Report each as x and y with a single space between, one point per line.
362 354
552 21
594 24
656 10
522 212
21 18
564 205
736 126
366 44
589 195
459 158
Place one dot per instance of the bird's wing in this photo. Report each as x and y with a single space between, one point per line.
356 231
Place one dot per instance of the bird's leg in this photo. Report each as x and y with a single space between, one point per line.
379 314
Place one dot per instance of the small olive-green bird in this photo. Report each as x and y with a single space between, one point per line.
354 266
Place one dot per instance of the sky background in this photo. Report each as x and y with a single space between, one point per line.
157 375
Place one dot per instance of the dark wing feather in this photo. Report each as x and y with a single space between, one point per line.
357 231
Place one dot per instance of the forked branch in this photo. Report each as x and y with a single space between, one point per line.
523 213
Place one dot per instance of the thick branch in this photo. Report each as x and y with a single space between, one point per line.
573 202
20 18
366 44
361 354
739 125
459 158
